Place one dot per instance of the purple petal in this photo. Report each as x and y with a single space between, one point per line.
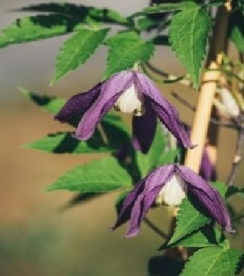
78 104
128 203
138 202
207 196
144 128
207 169
110 91
139 210
167 114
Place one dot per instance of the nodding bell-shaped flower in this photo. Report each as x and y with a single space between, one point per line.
169 185
228 107
130 92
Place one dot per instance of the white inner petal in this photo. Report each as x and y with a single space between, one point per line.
173 192
229 102
130 101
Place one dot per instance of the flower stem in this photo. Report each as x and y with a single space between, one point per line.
237 158
155 228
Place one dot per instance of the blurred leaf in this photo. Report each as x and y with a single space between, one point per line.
241 5
80 12
188 220
98 176
125 49
165 7
158 146
63 142
146 162
115 130
236 32
213 261
233 190
161 40
76 50
237 36
79 199
188 33
167 157
203 237
35 28
48 103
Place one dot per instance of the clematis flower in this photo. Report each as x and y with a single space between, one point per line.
130 92
169 185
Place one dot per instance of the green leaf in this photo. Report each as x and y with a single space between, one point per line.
157 149
98 176
220 187
165 7
76 50
48 103
203 237
146 162
233 190
79 12
63 142
79 198
236 32
35 28
237 36
213 261
167 157
125 49
115 130
188 33
161 40
188 220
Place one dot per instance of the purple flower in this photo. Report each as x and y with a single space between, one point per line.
169 184
130 92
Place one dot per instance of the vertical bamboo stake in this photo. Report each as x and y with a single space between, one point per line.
208 88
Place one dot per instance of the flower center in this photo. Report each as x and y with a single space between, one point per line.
173 192
130 101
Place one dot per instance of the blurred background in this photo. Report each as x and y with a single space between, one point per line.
36 238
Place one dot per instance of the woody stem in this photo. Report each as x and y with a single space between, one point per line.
208 88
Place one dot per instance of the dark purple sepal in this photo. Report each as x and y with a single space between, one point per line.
144 128
78 104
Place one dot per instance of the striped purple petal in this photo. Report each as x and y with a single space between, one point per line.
138 201
78 104
207 196
110 91
167 114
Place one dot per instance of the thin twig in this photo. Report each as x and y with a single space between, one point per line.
227 72
155 228
168 77
237 158
192 108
